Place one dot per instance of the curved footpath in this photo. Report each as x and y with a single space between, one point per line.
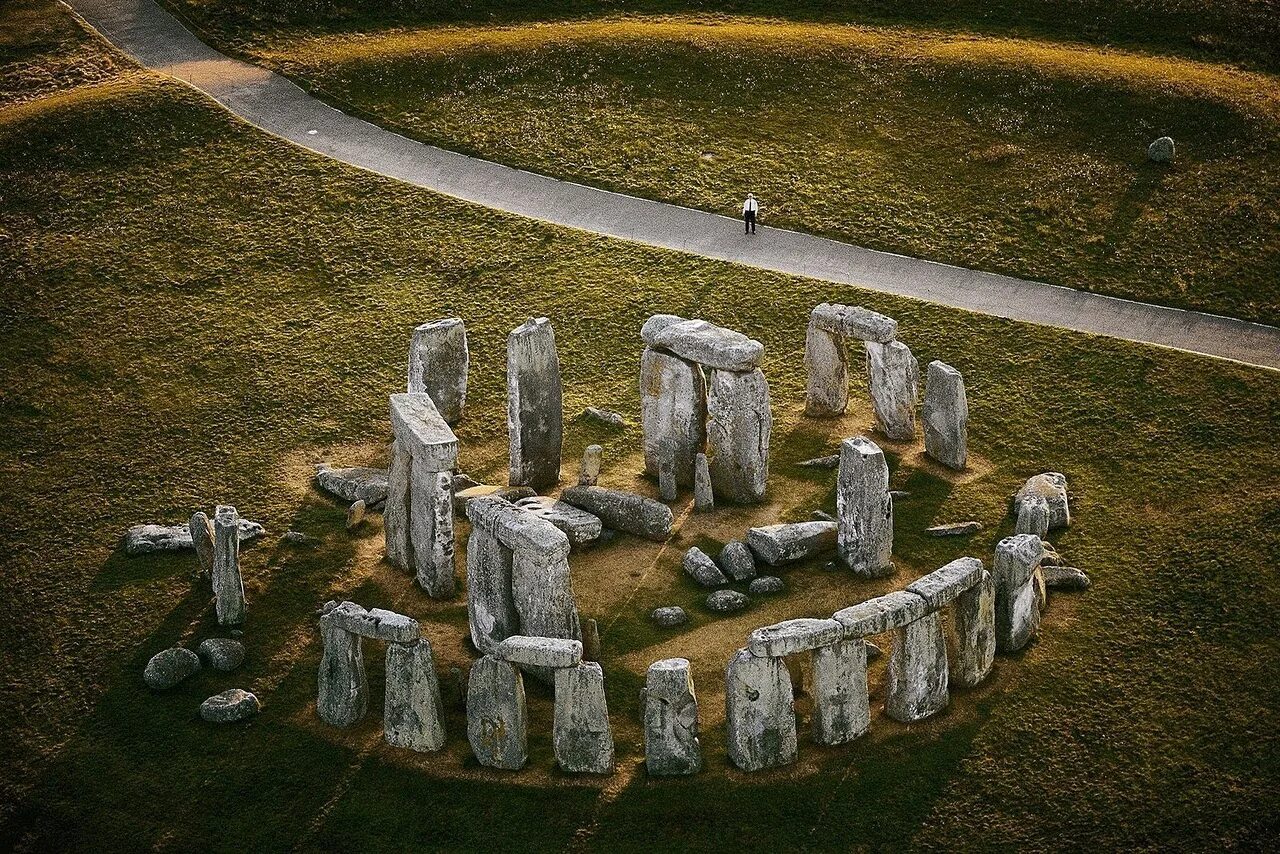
159 41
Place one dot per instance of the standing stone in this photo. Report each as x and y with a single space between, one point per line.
395 515
342 695
412 717
669 707
543 593
419 531
431 529
842 710
497 725
673 412
438 361
738 561
591 459
1033 517
738 431
202 538
946 416
228 588
895 388
580 733
703 498
864 510
975 618
917 684
535 410
491 609
590 640
1016 575
826 364
759 712
668 489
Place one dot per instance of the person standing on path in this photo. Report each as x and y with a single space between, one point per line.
749 209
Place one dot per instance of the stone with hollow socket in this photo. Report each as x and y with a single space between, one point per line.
168 667
535 409
894 380
881 614
942 586
342 691
673 412
737 561
864 510
669 707
230 706
945 414
759 712
438 362
580 732
497 724
355 483
228 587
623 511
841 705
516 527
702 342
917 673
702 569
704 500
578 525
790 542
792 636
540 651
1052 487
739 423
975 621
201 528
413 715
491 608
589 473
1016 574
851 321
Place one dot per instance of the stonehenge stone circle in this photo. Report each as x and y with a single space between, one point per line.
1016 573
917 673
438 361
168 667
228 587
497 724
703 497
201 527
535 409
894 377
841 705
759 712
975 621
669 707
737 561
945 414
864 509
592 456
738 428
580 733
418 518
789 542
825 355
623 511
702 569
413 715
673 412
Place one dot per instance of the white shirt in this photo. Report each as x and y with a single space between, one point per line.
750 205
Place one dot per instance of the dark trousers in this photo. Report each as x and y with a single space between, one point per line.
748 222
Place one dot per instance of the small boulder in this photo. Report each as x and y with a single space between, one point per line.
727 601
1162 150
607 417
222 654
169 667
954 529
230 706
738 561
702 569
1065 578
298 538
766 584
669 616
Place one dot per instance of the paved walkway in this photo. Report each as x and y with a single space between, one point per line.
150 34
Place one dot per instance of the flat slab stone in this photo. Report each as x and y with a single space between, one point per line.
356 483
375 623
942 586
727 601
147 539
881 614
702 342
954 529
540 652
737 561
578 525
669 616
851 321
516 527
702 569
230 706
623 511
759 713
792 636
422 431
669 708
169 667
787 543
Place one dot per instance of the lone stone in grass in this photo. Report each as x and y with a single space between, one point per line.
202 539
975 620
1162 150
412 717
438 362
673 412
895 388
589 474
228 588
1016 574
168 667
669 707
842 709
669 616
759 712
418 517
342 695
917 683
737 561
738 430
535 410
497 724
580 733
703 498
230 707
702 569
864 509
727 601
946 416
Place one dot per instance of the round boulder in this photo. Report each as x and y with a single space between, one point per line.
1161 151
670 616
169 667
727 601
222 654
229 707
767 584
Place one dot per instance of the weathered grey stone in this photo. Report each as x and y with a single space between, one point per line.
864 509
786 543
1052 487
298 538
431 530
669 616
355 515
850 321
841 706
421 432
828 462
512 494
826 363
890 611
942 586
673 412
535 411
543 593
356 483
703 497
1033 517
702 342
438 362
342 695
590 640
201 528
669 707
491 609
765 585
954 529
607 417
1065 578
222 654
737 561
580 733
516 527
395 515
1162 150
895 388
655 324
727 601
792 636
975 620
1016 574
702 569
578 525
168 667
148 539
668 488
738 428
589 474
230 706
540 651
497 724
759 712
228 588
413 715
917 675
945 414
623 511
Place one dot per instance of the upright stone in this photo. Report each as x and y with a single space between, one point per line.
864 510
826 364
759 712
975 617
202 538
535 410
1033 517
1016 574
1051 487
673 409
738 431
668 489
228 588
438 361
590 472
895 388
670 712
431 529
842 710
497 726
412 715
395 515
703 498
580 733
917 685
590 640
418 520
342 694
491 609
946 416
543 593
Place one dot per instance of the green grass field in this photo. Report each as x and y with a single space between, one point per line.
194 312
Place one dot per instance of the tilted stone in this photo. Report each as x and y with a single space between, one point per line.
375 623
491 608
669 707
673 412
917 673
975 620
792 636
578 525
864 509
623 511
941 587
1065 578
702 569
438 362
421 431
580 732
517 528
607 417
851 321
148 539
702 342
589 474
786 543
355 483
540 652
895 387
168 667
228 587
890 611
841 706
738 429
413 715
395 515
759 713
1052 487
1016 574
355 515
342 690
737 561
201 527
703 497
945 414
497 723
535 407
826 364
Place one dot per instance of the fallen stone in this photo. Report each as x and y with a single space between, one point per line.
535 409
517 528
298 538
702 569
975 621
228 586
169 667
954 529
355 515
765 585
895 388
703 498
512 494
792 636
881 614
413 715
864 509
438 362
463 497
578 525
850 321
230 707
759 713
841 705
945 414
358 483
540 651
147 539
1052 487
589 473
1051 556
673 412
669 708
201 528
580 732
737 561
702 342
828 462
463 481
739 423
669 616
942 586
787 543
497 723
607 417
222 654
727 601
1162 150
1065 578
917 674
623 511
